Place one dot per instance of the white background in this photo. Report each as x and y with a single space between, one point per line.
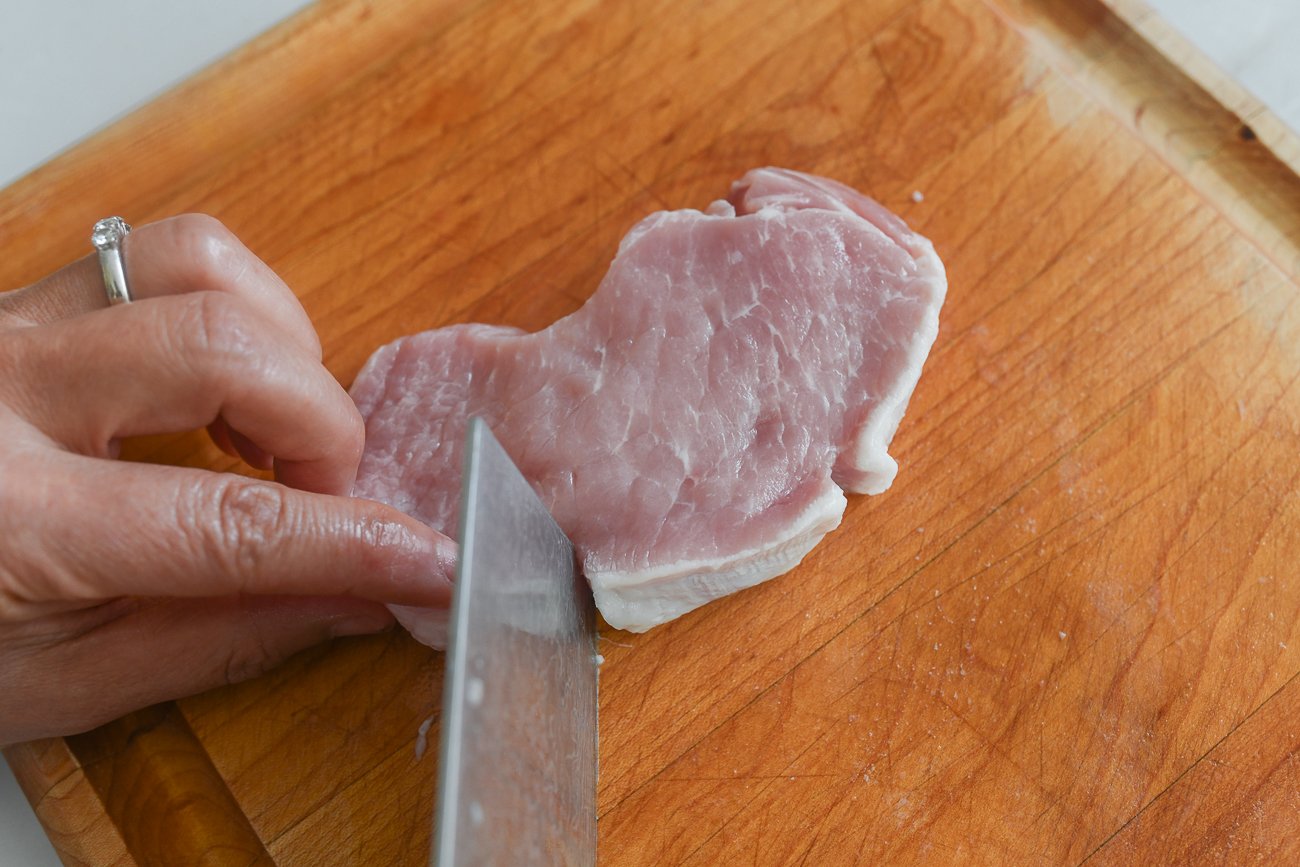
1256 41
68 67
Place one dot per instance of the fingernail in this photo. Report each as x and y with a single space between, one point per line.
438 570
444 553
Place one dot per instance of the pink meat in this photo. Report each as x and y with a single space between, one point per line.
694 425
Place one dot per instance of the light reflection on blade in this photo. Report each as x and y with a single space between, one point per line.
517 774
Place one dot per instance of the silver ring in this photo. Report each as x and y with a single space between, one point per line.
107 236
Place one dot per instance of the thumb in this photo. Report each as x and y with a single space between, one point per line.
168 649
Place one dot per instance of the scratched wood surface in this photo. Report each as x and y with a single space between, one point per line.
1071 630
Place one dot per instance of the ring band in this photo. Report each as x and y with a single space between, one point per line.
107 236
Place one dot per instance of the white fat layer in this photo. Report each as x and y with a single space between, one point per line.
428 625
872 469
637 601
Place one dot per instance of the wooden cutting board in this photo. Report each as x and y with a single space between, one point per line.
1069 632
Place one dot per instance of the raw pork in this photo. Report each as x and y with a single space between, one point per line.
694 426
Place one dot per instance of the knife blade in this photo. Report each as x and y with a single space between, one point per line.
517 772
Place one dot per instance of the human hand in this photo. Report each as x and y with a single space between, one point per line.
123 584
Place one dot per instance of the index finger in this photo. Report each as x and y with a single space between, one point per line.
193 533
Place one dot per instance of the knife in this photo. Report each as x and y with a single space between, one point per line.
517 761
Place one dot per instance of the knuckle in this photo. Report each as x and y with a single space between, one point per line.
249 518
208 247
196 223
216 325
249 658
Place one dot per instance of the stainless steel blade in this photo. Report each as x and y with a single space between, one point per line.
517 781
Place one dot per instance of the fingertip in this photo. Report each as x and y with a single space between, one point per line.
413 563
340 445
436 552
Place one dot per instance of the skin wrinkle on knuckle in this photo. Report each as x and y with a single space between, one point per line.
249 519
249 657
221 329
220 344
219 261
384 544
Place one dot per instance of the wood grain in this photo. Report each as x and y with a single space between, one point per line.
68 806
1259 122
170 804
1070 630
218 117
1213 145
1237 805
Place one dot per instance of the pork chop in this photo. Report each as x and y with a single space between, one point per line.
693 427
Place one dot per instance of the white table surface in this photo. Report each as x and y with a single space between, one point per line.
66 70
